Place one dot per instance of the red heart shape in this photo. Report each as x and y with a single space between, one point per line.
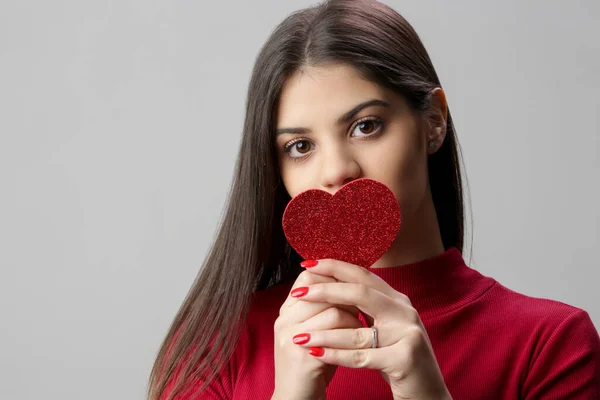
357 224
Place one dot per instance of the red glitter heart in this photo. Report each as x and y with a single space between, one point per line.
357 224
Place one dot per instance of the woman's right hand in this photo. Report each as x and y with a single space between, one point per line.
299 375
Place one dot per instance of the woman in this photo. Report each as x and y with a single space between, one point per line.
341 91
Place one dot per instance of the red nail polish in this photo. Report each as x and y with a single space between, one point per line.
316 351
299 292
308 263
302 338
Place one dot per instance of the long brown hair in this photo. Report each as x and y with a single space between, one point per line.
250 251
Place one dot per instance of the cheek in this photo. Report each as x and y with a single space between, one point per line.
404 170
288 175
293 180
411 186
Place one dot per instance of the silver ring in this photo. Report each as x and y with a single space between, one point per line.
374 346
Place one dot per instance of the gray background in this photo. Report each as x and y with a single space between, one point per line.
119 127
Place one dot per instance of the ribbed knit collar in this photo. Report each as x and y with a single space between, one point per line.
437 285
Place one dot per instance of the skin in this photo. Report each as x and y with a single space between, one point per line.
326 158
332 155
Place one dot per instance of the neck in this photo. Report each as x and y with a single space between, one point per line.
418 239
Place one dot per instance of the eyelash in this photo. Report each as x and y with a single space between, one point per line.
378 121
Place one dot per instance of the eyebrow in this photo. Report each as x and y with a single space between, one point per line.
343 119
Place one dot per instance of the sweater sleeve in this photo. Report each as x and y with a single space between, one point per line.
568 365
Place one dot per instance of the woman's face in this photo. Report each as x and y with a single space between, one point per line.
382 141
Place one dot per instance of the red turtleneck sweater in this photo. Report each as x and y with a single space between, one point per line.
490 342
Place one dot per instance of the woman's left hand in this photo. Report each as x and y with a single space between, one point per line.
404 355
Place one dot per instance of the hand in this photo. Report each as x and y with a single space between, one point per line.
403 356
298 375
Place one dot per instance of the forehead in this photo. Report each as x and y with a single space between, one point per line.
324 92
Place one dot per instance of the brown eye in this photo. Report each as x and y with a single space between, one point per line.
367 126
302 147
297 148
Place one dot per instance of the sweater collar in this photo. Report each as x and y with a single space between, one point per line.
436 285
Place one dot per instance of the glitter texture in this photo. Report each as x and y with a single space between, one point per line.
357 224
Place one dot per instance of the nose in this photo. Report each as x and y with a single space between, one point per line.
338 167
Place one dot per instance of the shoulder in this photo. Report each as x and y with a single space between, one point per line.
551 326
532 309
555 345
535 322
559 345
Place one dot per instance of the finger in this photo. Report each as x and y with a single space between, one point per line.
382 357
303 279
369 300
357 358
331 318
351 273
303 311
347 338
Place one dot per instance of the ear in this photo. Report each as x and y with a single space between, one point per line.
436 117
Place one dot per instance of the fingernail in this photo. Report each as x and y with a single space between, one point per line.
299 292
308 263
316 351
301 338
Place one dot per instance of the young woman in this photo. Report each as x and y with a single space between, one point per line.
340 91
